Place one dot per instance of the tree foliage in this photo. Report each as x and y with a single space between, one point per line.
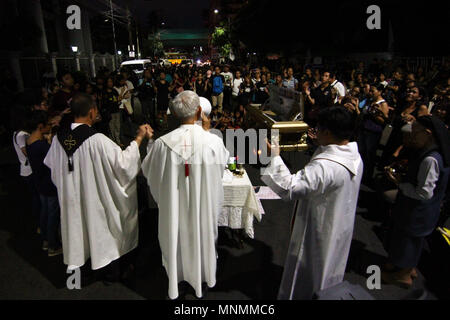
221 40
153 47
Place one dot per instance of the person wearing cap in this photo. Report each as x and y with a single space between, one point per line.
184 170
417 209
206 106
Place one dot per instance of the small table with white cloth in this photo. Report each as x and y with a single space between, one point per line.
240 204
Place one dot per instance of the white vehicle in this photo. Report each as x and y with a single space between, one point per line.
137 66
164 63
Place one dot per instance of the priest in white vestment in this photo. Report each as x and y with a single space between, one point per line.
96 183
184 171
326 191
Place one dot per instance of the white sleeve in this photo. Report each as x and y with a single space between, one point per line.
21 139
150 144
341 90
310 180
126 163
426 181
153 167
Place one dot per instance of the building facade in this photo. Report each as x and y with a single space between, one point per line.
40 40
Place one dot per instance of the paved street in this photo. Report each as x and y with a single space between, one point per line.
253 272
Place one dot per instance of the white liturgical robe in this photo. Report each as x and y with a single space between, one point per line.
327 193
98 200
184 171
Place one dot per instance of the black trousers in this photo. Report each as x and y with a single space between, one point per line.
148 109
404 250
227 105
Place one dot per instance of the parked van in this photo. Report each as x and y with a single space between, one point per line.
136 66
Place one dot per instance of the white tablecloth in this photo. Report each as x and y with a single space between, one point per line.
240 204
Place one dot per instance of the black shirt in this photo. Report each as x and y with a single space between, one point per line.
261 94
200 88
245 97
37 151
322 97
111 101
163 90
60 100
147 89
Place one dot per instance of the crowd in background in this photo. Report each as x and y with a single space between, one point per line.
384 98
379 95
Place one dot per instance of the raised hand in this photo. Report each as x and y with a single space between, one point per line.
273 147
142 132
149 131
206 123
312 133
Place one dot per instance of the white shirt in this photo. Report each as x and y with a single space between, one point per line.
228 78
120 91
427 178
236 85
19 142
75 125
339 88
130 85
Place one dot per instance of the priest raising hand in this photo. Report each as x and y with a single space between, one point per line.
326 192
97 193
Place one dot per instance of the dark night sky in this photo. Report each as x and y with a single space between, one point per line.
176 13
340 26
420 26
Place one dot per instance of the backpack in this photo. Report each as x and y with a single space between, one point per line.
217 85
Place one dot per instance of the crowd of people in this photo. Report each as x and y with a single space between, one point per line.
230 88
397 114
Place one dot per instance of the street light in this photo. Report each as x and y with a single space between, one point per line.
216 11
77 57
119 52
114 32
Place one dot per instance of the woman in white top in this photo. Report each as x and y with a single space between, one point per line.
237 81
124 92
124 99
19 142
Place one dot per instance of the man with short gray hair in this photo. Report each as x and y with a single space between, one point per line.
184 170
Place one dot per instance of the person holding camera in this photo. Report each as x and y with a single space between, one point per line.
418 202
414 107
